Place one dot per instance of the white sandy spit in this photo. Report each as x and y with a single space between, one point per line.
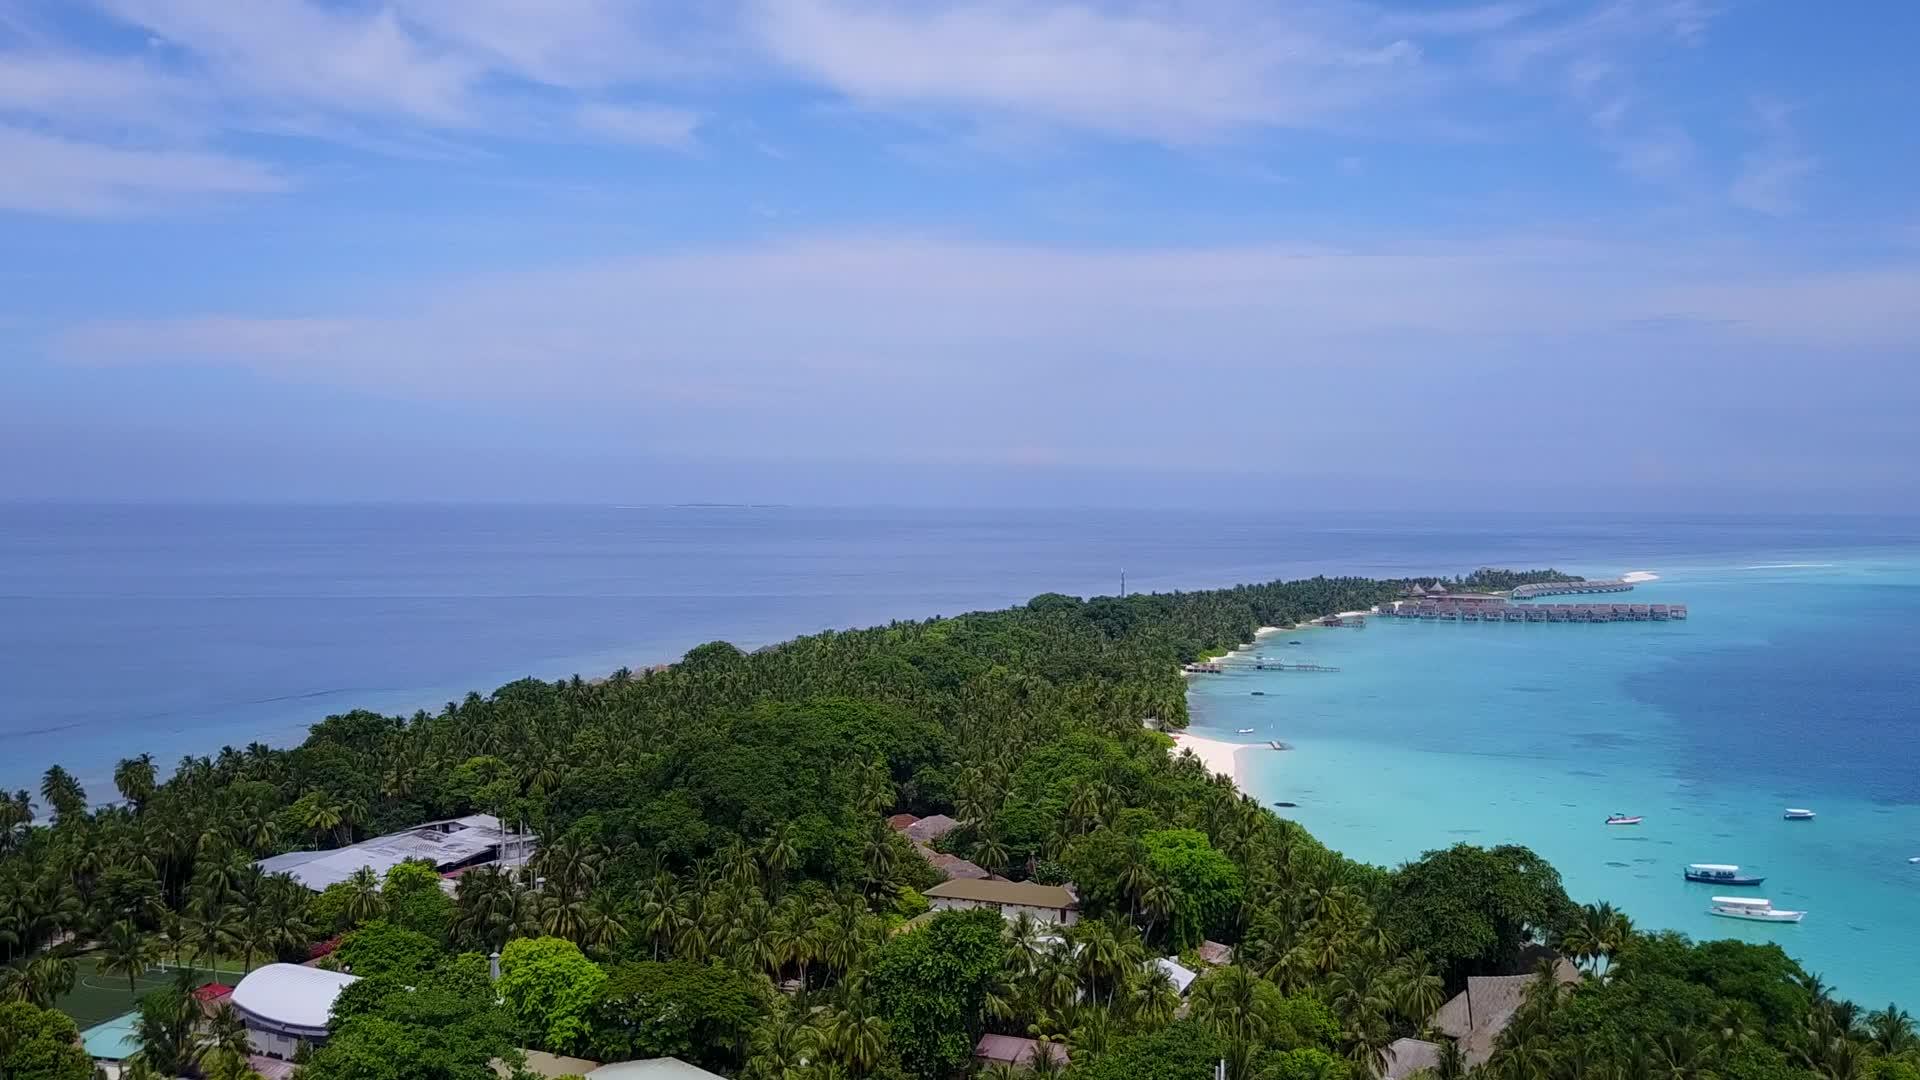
1637 576
1217 755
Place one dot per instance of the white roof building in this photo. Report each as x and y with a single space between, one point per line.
652 1069
1182 978
448 845
284 1005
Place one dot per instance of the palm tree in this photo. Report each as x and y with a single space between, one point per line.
226 1032
321 815
1160 899
1156 999
780 1046
167 1032
365 904
40 981
1100 957
662 912
778 854
856 1037
135 781
1420 994
990 852
1892 1031
64 794
127 951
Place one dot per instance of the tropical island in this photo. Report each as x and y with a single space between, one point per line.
931 849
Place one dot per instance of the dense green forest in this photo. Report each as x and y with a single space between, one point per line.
1488 579
717 883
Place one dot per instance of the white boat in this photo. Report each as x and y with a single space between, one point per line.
1624 819
1245 731
1740 907
1795 813
1915 859
1720 874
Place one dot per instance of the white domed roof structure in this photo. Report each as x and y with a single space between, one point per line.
288 1000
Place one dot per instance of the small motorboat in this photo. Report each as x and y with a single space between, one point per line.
1278 802
1795 813
1740 907
1720 874
1293 643
1915 860
1244 731
1259 693
1624 819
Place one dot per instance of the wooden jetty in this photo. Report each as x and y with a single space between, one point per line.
1277 665
1207 668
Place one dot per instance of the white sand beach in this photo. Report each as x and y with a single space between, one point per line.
1218 755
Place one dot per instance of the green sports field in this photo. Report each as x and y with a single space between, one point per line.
97 996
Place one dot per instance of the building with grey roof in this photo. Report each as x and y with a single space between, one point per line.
452 844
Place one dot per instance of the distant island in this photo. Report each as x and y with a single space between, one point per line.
930 849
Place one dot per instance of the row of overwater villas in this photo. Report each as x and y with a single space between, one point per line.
1587 613
1568 588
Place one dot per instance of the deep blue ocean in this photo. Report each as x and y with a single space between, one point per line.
177 629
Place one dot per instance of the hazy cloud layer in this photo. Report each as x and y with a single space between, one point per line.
1405 243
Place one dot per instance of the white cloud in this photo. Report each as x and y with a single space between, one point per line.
643 125
1771 175
89 90
583 44
1184 74
826 316
47 174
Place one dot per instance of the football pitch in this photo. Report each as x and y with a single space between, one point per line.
97 996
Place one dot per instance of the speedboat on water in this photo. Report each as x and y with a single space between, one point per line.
1795 813
1245 731
1740 907
1624 819
1720 874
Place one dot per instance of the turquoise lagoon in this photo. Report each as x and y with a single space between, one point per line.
1795 682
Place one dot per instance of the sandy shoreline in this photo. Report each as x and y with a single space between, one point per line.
1218 755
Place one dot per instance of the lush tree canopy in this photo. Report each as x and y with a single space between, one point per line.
715 880
547 985
40 1044
696 1012
1471 909
931 985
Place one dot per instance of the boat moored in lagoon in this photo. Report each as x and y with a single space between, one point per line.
1795 813
1244 731
1720 874
1740 907
1624 819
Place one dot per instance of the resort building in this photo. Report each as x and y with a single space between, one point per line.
452 844
935 827
1477 1015
1182 978
1214 954
1015 1051
1044 903
285 1005
1408 1056
928 829
665 1068
549 1066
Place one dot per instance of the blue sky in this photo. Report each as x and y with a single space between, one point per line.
1627 253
